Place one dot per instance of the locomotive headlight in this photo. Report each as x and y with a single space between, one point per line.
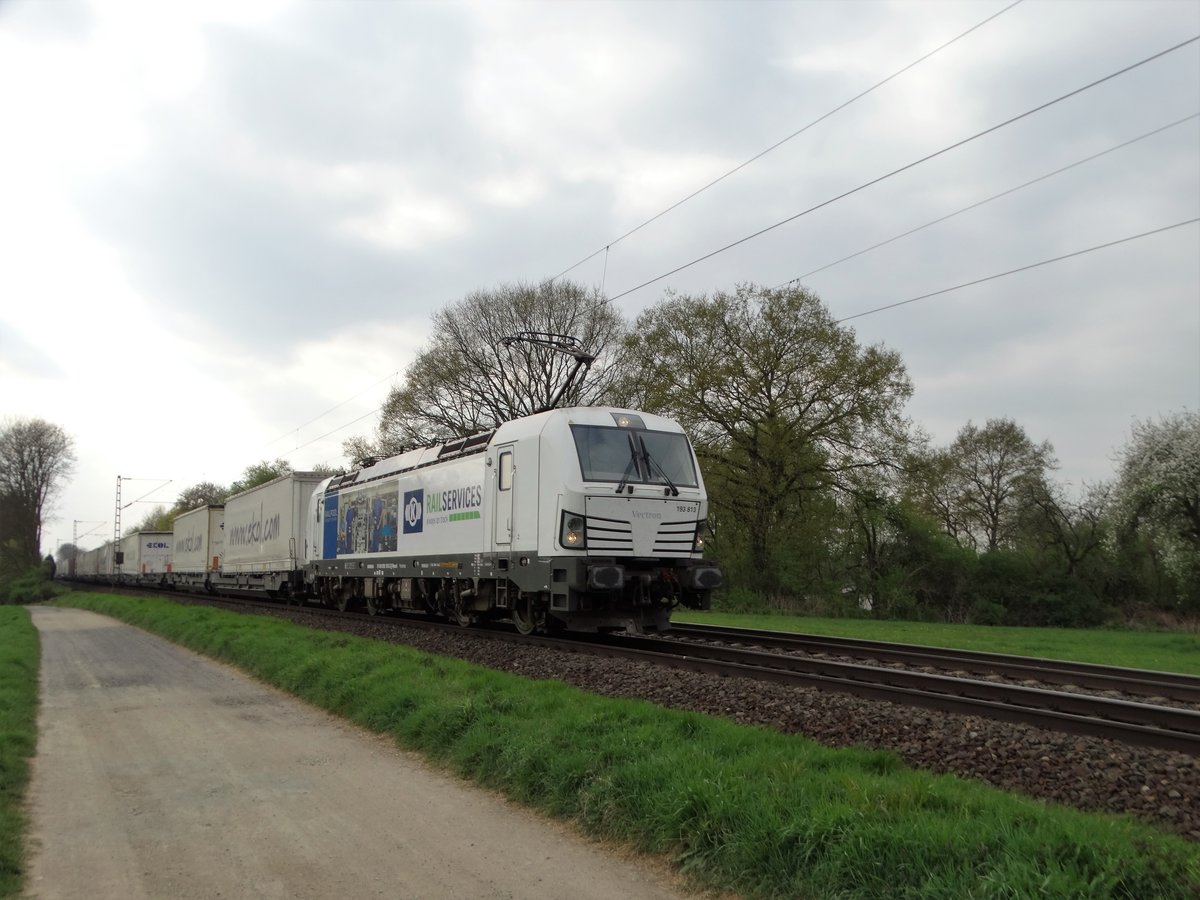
571 534
698 544
628 420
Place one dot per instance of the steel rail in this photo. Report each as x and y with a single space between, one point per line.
1173 685
1146 724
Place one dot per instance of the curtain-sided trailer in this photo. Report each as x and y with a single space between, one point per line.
586 518
145 557
264 538
90 565
199 544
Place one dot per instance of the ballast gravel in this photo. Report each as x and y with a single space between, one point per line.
1157 786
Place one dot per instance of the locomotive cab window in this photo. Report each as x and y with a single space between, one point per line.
505 471
634 455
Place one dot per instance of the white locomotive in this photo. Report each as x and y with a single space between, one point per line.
585 518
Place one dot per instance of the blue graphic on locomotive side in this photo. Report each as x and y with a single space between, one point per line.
329 542
414 511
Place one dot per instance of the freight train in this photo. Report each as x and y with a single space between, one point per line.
588 518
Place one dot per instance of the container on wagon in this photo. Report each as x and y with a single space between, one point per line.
264 526
199 541
147 555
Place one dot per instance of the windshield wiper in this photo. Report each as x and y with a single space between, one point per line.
633 460
651 461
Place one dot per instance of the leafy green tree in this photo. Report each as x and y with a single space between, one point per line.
1157 498
468 380
260 473
784 407
157 519
205 493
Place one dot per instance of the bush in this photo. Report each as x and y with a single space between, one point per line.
739 600
984 612
28 588
1030 596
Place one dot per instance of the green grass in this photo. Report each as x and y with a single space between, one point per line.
739 809
19 657
1159 650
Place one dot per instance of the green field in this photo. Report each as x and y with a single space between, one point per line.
19 655
1163 651
738 809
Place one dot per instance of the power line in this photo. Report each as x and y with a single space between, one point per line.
905 168
339 428
980 203
331 409
1044 262
780 143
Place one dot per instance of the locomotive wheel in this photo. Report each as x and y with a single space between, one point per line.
523 615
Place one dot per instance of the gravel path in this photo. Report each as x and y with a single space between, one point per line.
160 773
1157 786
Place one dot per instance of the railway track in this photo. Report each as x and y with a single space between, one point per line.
709 649
1168 685
1145 724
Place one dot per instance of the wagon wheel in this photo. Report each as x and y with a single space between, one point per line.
374 605
459 614
341 597
523 615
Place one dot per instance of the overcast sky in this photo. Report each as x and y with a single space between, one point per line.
220 220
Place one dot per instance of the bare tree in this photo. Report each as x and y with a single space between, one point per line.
978 487
468 379
36 457
1072 527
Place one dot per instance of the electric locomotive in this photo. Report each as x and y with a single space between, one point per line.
587 518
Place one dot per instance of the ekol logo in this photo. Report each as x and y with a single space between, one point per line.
414 511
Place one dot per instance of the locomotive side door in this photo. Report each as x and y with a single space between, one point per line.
505 472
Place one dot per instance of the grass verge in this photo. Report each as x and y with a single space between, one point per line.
1158 650
738 809
19 657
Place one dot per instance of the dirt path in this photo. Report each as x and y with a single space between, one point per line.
162 774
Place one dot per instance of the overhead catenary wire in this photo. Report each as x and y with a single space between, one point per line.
979 203
906 167
1026 268
379 408
781 142
331 409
